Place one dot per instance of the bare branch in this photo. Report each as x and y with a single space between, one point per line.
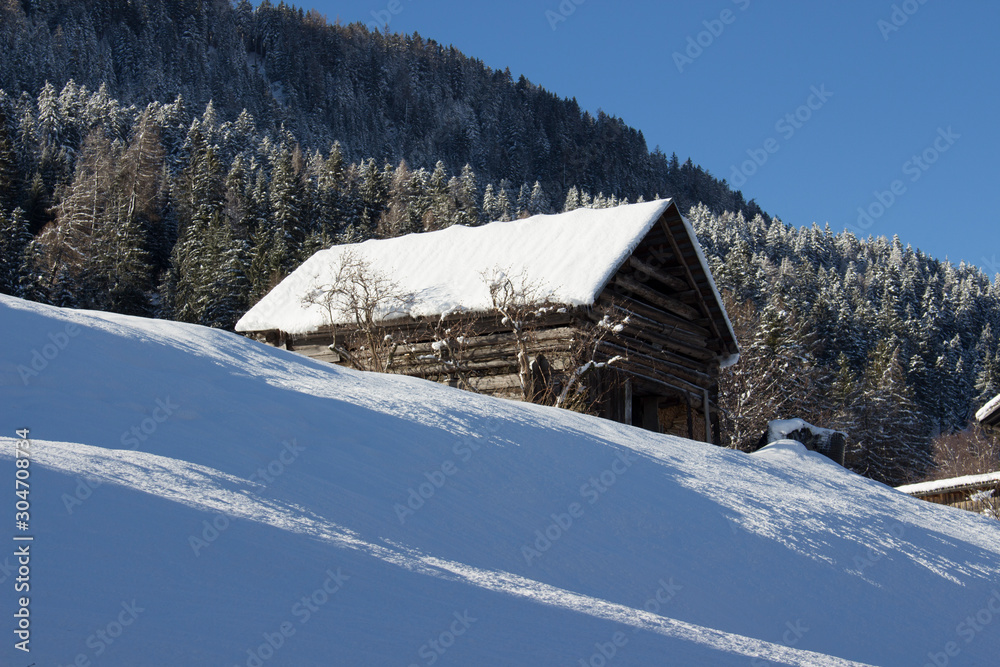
359 300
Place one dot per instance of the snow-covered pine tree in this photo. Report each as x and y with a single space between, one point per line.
491 206
15 237
466 197
572 200
538 202
892 441
287 205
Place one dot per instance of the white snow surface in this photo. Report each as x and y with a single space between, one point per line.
567 257
951 483
162 495
989 408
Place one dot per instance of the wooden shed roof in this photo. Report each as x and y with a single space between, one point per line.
568 259
989 414
965 483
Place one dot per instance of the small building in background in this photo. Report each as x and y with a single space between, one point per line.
613 311
976 493
989 414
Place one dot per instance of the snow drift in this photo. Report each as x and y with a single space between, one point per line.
198 498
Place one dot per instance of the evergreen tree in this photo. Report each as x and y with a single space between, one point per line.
538 202
572 200
893 445
10 177
504 206
15 237
491 205
466 196
287 195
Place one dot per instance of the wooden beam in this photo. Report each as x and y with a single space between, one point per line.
660 384
687 355
708 418
690 276
674 306
628 401
654 272
690 417
699 377
650 366
686 350
612 297
425 328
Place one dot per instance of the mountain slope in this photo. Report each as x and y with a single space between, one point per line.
385 96
145 433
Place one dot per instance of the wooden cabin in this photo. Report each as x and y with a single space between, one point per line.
612 311
975 493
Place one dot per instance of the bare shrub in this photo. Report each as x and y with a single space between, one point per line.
358 300
969 452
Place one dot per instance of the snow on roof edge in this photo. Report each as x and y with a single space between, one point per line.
987 410
653 219
278 310
952 483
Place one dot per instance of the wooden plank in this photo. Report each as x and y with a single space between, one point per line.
501 339
690 276
668 304
317 351
690 374
613 298
481 323
669 332
690 417
672 389
491 383
674 346
649 363
695 357
654 272
708 418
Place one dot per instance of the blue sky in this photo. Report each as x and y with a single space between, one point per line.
716 80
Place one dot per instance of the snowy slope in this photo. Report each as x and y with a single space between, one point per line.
200 499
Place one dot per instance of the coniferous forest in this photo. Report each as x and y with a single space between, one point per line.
178 158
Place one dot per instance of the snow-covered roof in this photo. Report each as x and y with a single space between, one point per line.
568 258
781 429
990 413
950 484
